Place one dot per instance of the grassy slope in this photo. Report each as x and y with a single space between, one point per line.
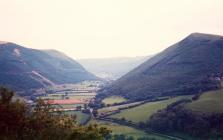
143 112
208 102
113 99
129 131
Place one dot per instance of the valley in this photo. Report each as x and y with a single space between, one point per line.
175 95
111 70
117 114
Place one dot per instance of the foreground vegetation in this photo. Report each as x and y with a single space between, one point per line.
20 122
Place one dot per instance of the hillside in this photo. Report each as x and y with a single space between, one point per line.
24 69
191 66
112 68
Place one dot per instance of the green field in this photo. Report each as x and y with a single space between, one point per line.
143 112
113 99
114 108
129 131
81 97
211 102
68 105
59 97
81 117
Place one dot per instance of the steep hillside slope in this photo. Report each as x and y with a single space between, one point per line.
24 69
191 66
112 68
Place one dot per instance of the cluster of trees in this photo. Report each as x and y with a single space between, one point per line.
21 122
177 118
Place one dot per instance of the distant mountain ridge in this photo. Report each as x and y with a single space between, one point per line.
24 69
112 68
190 66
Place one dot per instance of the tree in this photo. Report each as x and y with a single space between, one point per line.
85 106
79 108
19 122
95 113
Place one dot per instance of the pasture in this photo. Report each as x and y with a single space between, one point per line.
113 99
111 109
143 112
210 102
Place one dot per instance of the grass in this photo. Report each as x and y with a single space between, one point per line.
80 97
143 112
129 131
68 105
81 117
58 97
210 102
113 99
114 108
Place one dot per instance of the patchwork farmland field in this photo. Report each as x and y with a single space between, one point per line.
71 99
66 94
143 112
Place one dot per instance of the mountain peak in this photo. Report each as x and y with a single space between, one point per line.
3 42
197 35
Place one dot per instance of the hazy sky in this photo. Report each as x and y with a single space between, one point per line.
106 28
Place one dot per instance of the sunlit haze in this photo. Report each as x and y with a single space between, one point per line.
107 28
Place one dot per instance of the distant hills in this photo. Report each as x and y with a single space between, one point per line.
191 66
112 68
24 69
